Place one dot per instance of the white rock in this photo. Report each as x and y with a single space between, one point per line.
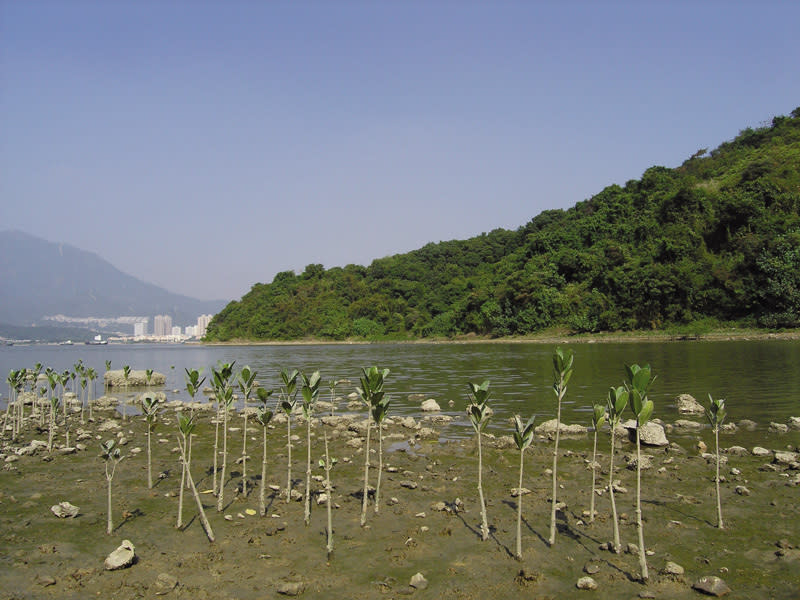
430 405
418 581
687 405
586 583
65 510
122 557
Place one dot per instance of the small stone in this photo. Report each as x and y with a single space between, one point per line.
65 510
228 517
411 485
632 549
711 585
591 568
586 583
165 583
759 451
291 588
430 405
123 557
438 506
778 427
519 492
673 569
45 580
742 490
418 581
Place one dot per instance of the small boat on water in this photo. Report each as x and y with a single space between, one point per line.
97 341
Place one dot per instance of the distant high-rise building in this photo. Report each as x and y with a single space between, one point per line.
190 330
140 328
202 325
162 325
176 331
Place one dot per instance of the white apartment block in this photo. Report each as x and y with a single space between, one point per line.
202 325
140 328
162 325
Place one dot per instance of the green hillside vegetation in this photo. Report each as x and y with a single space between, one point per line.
715 240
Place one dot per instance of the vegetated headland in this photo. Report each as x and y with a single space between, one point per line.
710 245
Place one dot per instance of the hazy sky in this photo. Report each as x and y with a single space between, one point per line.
206 146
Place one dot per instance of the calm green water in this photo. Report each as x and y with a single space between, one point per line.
759 379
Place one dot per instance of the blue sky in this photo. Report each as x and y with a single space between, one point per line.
206 146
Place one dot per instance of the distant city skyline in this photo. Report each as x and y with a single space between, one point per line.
205 147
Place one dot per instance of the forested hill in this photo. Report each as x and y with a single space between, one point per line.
716 239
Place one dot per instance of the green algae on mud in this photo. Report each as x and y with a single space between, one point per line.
41 556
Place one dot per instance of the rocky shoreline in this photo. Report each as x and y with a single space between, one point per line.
424 541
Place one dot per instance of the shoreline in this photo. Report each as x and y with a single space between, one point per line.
545 338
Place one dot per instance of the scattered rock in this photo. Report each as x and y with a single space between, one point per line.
165 583
586 583
430 405
742 490
519 492
65 510
737 451
411 485
759 451
785 458
652 434
687 405
439 506
291 588
748 424
673 569
688 425
711 585
794 422
778 427
591 568
45 580
549 427
418 581
121 558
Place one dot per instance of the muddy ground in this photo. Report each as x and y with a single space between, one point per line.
42 556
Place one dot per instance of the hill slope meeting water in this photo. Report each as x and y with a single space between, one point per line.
712 243
43 279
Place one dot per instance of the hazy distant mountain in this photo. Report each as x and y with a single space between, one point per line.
40 278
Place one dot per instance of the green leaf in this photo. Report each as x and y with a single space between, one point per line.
645 413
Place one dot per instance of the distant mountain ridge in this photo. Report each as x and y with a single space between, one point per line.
40 278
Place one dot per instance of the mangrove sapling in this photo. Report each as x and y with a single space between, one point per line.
328 463
310 394
246 379
111 456
224 393
598 418
92 375
220 377
615 405
379 410
478 411
562 371
105 378
52 381
150 412
186 426
715 413
639 381
288 400
523 436
84 383
371 393
203 520
148 377
263 417
126 372
193 384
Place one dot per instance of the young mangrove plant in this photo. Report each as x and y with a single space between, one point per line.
224 393
478 411
328 463
378 412
310 394
263 418
111 456
194 384
126 373
186 426
617 402
52 381
246 379
598 418
201 512
523 436
562 371
715 413
288 399
371 393
105 378
150 412
222 373
639 381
